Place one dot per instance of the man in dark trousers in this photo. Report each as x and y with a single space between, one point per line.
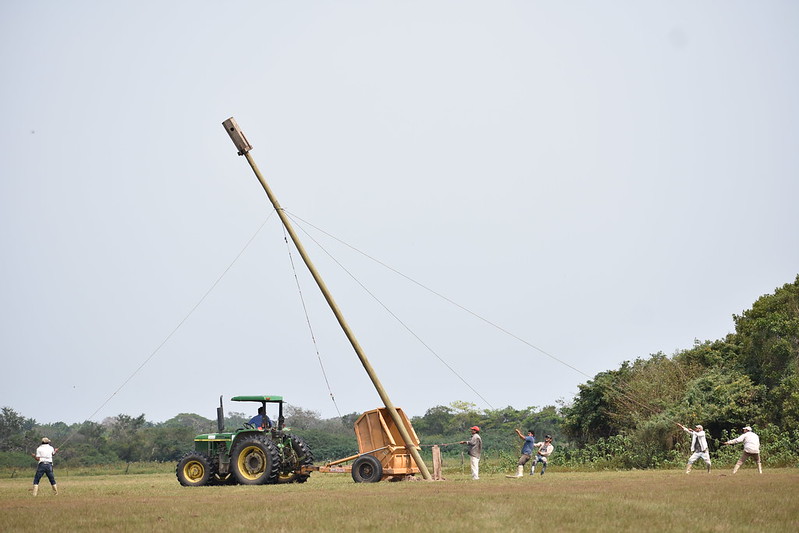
44 454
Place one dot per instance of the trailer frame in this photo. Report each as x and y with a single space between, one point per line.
381 452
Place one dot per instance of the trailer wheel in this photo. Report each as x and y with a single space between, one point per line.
295 454
254 461
193 470
367 469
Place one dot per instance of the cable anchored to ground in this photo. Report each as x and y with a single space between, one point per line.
617 389
176 328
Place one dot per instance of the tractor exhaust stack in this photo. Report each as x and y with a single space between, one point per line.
220 417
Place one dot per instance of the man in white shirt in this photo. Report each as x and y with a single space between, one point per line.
44 454
751 448
698 446
545 449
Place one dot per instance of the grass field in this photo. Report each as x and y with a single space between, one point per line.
559 501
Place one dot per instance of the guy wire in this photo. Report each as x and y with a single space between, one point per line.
308 321
169 336
463 308
403 324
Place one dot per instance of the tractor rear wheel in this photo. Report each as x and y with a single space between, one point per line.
367 469
294 455
194 470
254 461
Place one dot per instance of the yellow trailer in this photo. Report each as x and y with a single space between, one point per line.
382 453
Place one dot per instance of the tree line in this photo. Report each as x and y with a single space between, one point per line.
622 418
125 438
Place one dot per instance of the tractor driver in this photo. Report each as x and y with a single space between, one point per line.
261 421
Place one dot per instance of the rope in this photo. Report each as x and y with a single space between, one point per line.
446 299
463 308
403 324
308 321
191 311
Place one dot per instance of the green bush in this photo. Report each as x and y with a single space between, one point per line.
17 460
329 447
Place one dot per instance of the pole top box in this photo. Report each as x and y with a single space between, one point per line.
237 136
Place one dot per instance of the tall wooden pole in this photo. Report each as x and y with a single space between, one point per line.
244 148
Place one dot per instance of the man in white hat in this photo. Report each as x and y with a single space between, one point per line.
698 446
751 448
44 454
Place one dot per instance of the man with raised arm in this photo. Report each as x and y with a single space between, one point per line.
527 451
698 447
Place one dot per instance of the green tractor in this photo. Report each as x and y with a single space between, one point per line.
251 455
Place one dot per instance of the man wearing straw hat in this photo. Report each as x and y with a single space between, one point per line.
44 454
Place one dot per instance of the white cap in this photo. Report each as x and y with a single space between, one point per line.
747 428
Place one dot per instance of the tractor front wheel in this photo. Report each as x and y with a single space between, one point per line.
193 470
254 461
367 469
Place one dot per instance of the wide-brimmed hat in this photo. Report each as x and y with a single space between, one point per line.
45 440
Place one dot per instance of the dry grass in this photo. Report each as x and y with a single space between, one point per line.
574 501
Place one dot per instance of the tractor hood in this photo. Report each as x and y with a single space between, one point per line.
214 436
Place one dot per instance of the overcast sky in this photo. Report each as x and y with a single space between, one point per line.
604 180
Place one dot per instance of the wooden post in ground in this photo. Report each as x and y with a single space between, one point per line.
437 463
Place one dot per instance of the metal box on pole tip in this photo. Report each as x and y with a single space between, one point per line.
237 136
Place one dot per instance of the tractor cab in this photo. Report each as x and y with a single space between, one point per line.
261 421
